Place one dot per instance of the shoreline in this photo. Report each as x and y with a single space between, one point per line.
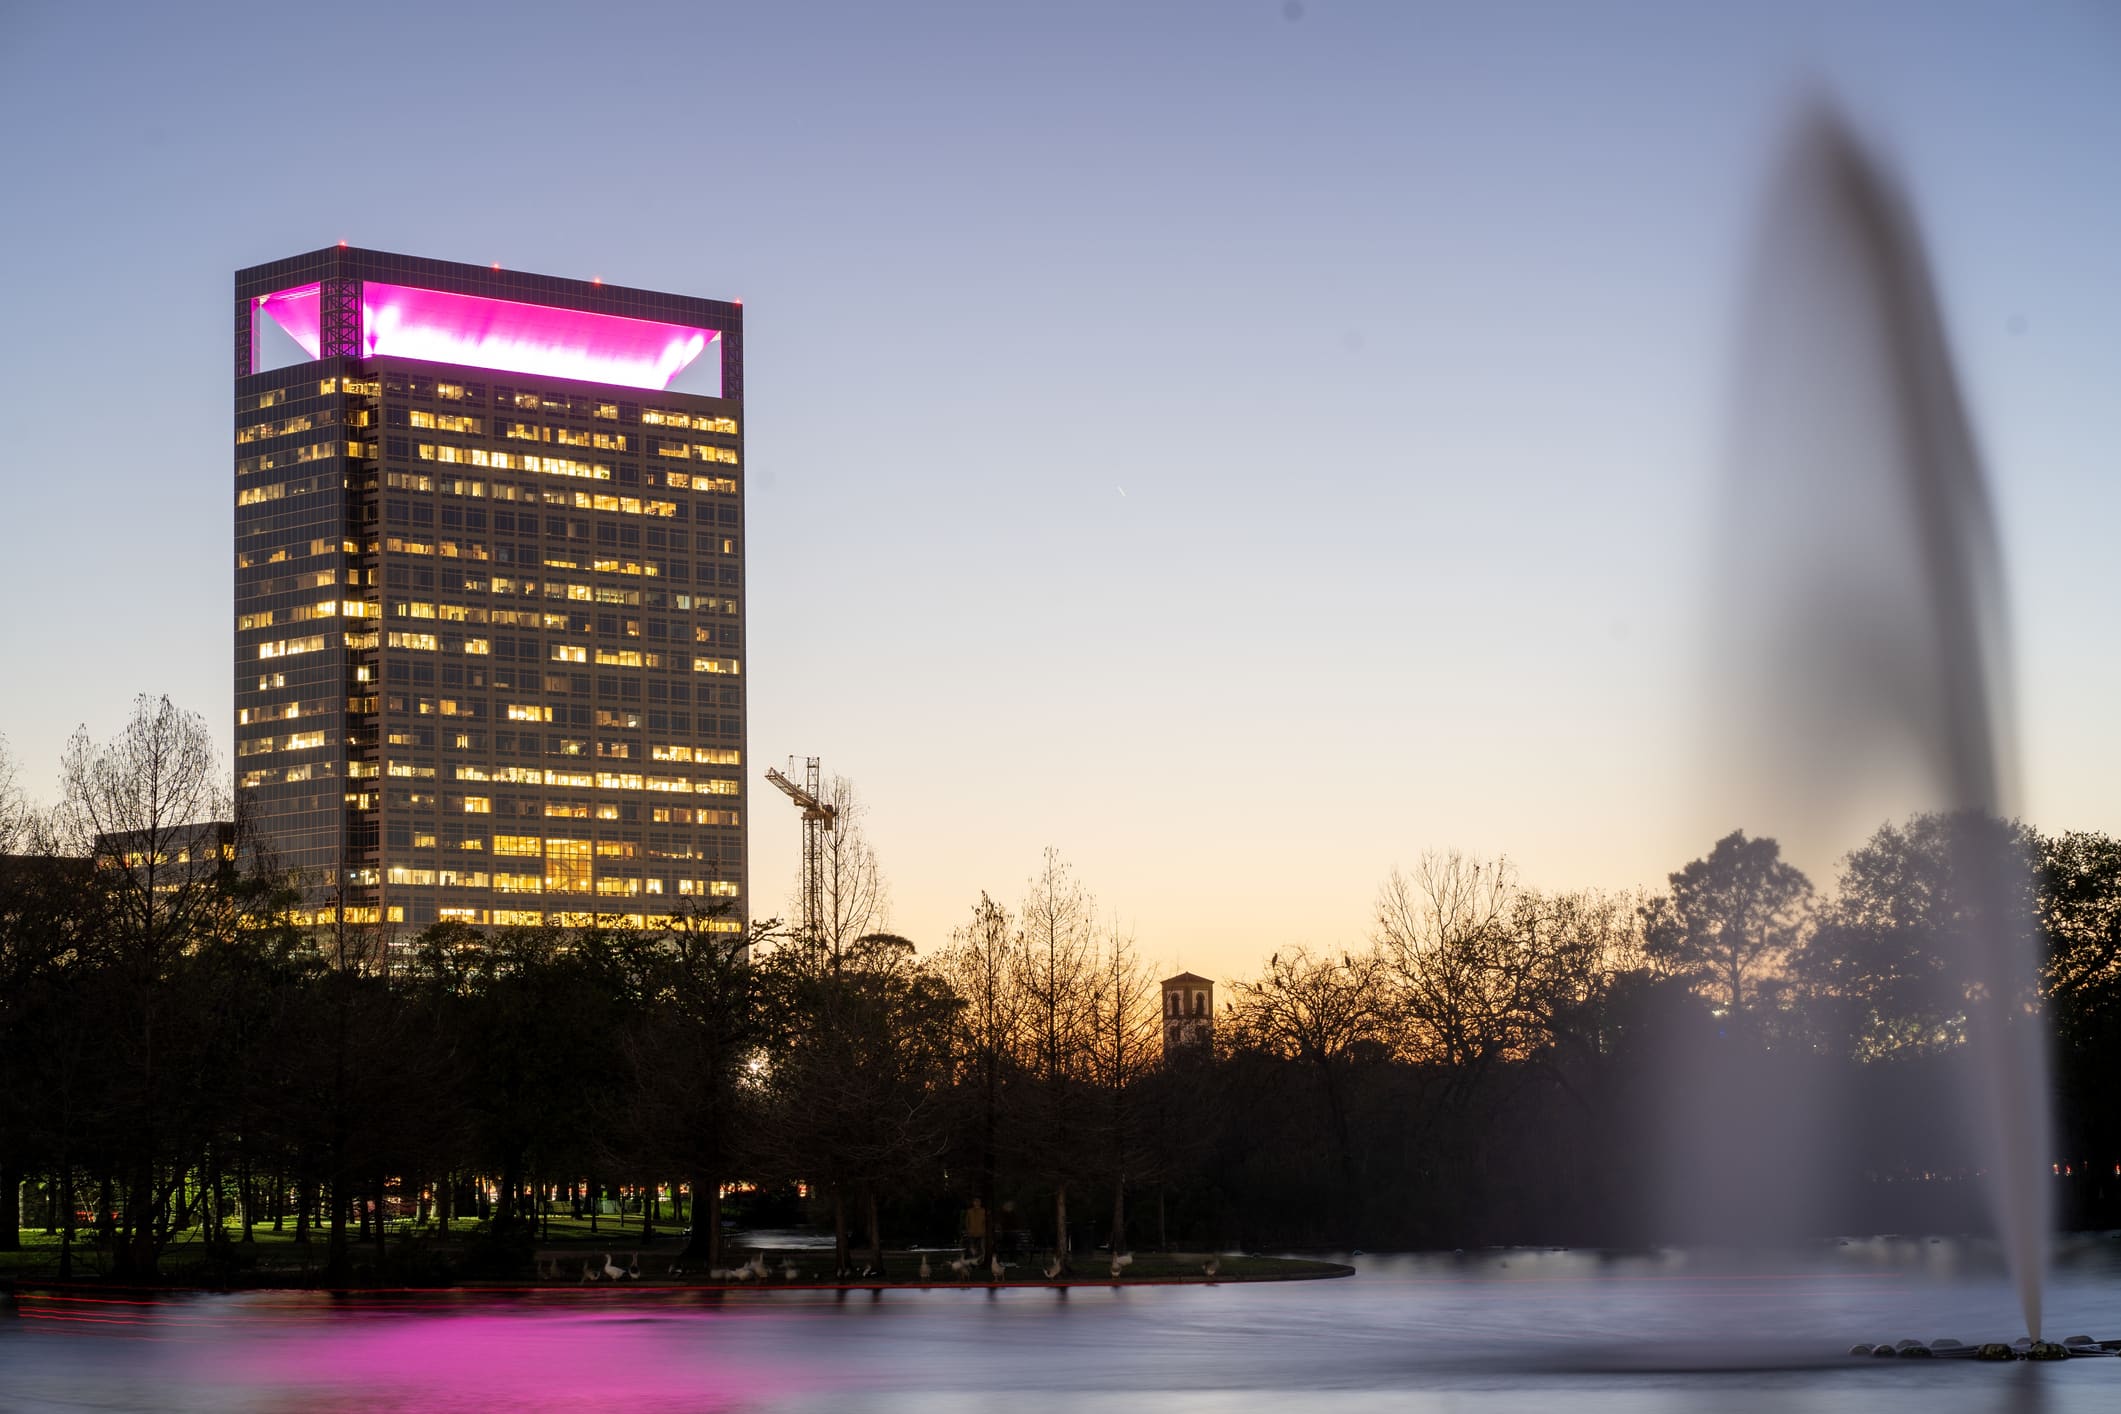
1254 1270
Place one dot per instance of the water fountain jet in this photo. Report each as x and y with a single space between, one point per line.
1863 607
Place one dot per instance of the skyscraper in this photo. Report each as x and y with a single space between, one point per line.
489 592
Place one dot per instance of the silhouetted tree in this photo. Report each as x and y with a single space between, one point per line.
1729 917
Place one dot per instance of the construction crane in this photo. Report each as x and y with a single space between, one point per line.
819 820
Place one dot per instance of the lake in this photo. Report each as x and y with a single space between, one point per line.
1490 1331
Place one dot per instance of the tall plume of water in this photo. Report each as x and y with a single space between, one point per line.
1862 611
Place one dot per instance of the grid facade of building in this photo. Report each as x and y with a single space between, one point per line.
489 625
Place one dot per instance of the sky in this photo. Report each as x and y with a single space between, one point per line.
1241 446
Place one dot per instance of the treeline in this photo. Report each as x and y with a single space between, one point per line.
179 1061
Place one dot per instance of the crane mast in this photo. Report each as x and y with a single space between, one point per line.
819 820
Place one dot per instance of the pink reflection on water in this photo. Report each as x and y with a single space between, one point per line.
317 1354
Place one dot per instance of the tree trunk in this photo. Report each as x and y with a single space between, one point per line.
1119 1215
839 1235
709 1209
336 1267
504 1220
445 1203
10 1207
136 1247
1163 1237
379 1230
66 1218
876 1238
1060 1224
648 1205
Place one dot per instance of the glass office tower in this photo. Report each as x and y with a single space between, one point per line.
490 592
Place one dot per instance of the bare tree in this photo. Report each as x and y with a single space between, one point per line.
16 817
1481 969
1058 1000
1123 1049
137 804
144 804
1320 1012
854 902
982 967
40 918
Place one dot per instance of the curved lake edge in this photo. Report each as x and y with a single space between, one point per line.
1236 1271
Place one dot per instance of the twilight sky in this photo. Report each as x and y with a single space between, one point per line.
1242 445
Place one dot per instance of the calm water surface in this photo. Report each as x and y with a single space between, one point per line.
1492 1331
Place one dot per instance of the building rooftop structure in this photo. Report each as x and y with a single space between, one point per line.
489 628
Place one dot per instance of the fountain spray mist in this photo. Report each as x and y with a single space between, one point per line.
1861 618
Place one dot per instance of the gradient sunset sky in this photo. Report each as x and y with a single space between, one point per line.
1241 445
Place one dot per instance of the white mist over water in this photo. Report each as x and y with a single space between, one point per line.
1861 610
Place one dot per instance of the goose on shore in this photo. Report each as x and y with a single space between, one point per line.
1052 1269
1120 1261
926 1271
612 1269
1212 1265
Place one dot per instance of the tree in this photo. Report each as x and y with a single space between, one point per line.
45 908
145 805
690 1048
1729 917
16 817
1462 981
1124 1026
853 900
1892 961
859 1037
2080 916
1057 987
1321 1013
983 967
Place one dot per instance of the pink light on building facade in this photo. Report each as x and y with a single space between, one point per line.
436 326
400 321
297 312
